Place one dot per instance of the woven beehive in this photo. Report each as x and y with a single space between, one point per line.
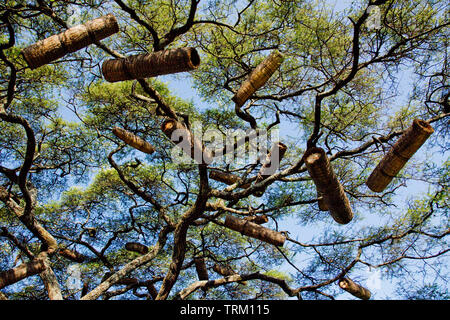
200 267
136 247
193 147
271 164
354 289
227 178
405 147
151 65
257 219
254 230
72 255
327 184
71 40
133 140
258 77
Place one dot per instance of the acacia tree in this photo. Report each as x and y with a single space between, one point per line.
139 226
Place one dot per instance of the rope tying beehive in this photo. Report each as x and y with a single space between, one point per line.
327 184
405 147
151 65
136 247
271 164
254 230
133 140
182 137
71 40
258 77
354 289
227 178
200 267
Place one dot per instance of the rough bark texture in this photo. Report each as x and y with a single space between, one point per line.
200 267
258 77
354 289
151 64
193 147
327 184
71 40
255 231
405 147
136 247
321 202
21 272
72 255
271 164
227 178
133 140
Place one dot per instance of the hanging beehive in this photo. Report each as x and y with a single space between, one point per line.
254 230
258 77
72 255
354 289
405 147
223 270
133 140
257 219
71 40
151 65
136 247
227 178
21 272
327 184
193 147
271 164
200 267
321 201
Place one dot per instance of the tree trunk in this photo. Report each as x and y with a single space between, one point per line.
354 289
258 77
255 231
133 140
405 147
71 40
21 272
151 65
327 184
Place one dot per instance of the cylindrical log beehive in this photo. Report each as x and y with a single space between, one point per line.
258 77
127 281
257 219
321 201
227 178
133 140
21 272
136 247
255 231
354 289
327 184
71 40
405 147
72 255
182 137
151 65
200 267
271 164
223 270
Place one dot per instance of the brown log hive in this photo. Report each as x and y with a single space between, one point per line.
71 40
21 272
405 147
152 291
327 184
72 255
354 289
254 230
257 219
258 77
321 201
223 270
133 140
136 247
127 281
271 164
200 267
181 136
151 65
227 178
